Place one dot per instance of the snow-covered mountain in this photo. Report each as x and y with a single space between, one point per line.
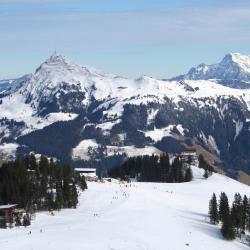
75 112
233 70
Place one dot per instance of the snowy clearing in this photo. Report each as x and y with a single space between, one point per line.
132 151
150 216
81 151
84 149
8 149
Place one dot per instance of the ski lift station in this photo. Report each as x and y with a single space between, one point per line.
88 173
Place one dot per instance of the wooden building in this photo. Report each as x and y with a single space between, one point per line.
7 212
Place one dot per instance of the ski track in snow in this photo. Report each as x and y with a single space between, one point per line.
151 216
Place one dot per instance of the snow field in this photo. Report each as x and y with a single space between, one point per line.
140 216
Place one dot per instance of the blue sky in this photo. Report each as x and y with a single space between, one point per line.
160 38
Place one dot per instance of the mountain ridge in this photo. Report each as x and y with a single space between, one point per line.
77 113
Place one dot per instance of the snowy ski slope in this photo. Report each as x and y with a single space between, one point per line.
144 216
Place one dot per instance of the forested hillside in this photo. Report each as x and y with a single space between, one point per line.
154 169
39 185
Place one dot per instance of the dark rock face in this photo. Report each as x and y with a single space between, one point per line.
203 123
68 102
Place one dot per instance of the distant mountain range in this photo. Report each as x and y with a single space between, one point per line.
232 71
79 114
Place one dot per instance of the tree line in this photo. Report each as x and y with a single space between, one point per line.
153 169
42 184
235 220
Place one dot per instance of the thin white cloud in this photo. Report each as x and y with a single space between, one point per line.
86 32
98 30
30 1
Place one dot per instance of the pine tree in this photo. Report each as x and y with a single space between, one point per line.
164 167
248 216
59 198
82 183
44 173
26 220
189 161
213 210
32 162
18 222
3 223
202 162
224 210
237 213
74 196
205 175
227 230
44 165
177 171
188 175
49 200
245 205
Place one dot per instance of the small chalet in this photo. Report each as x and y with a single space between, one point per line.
7 211
11 215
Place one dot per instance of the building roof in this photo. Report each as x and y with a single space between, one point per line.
85 169
7 206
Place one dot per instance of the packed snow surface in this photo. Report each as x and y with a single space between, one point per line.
140 216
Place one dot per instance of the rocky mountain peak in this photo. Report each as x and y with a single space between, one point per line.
55 57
